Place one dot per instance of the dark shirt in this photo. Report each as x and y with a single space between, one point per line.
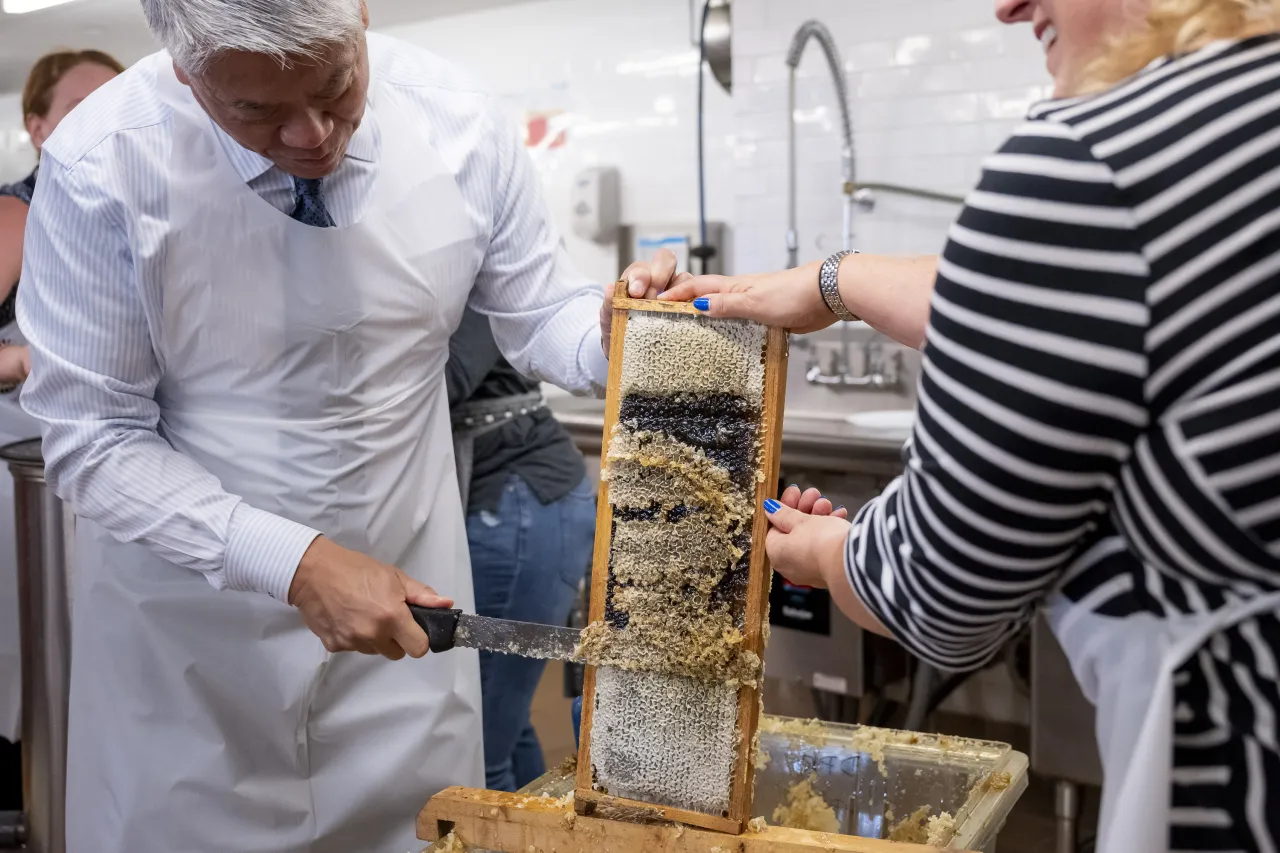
22 192
533 447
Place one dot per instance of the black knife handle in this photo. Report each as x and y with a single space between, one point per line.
440 625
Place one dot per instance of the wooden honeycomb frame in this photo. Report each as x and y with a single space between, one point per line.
589 801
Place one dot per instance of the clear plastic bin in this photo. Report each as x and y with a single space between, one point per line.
962 777
874 778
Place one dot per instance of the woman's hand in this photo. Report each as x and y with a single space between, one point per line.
810 502
806 538
15 365
806 545
789 299
890 294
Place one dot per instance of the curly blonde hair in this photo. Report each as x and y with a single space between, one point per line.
1179 26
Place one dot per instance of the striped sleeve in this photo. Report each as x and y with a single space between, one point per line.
1030 398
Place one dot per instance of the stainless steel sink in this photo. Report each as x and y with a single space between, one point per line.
858 354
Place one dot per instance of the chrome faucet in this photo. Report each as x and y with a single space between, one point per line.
812 30
881 368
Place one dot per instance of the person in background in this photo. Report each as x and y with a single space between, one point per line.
56 83
530 530
1098 427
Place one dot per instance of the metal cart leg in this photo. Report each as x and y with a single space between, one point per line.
1066 807
921 688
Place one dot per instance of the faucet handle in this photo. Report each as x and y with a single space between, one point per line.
873 357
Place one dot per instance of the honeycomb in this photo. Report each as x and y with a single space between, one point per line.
648 745
693 355
682 467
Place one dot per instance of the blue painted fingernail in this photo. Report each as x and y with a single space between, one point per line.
771 506
793 486
840 507
702 303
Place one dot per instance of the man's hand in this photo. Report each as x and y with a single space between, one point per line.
15 364
645 280
354 603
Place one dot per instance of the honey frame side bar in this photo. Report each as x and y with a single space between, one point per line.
742 787
604 534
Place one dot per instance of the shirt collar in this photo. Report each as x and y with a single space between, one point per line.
365 145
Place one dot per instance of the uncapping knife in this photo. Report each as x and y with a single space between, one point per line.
449 628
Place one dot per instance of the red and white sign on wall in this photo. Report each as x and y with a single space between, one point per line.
545 129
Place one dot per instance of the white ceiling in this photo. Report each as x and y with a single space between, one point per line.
116 26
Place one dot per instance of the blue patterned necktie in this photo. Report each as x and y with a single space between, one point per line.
309 206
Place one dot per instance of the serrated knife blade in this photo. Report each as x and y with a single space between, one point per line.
447 629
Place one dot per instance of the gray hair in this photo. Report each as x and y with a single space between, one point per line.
195 31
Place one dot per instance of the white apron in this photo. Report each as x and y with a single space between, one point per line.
204 720
15 425
1126 666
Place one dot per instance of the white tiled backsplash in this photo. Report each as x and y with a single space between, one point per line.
16 155
934 85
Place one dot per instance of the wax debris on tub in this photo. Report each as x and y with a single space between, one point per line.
805 808
920 827
998 781
448 844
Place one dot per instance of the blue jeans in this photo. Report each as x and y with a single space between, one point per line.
526 561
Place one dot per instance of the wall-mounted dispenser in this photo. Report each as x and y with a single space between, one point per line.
597 204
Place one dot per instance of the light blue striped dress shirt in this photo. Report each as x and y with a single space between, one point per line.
102 201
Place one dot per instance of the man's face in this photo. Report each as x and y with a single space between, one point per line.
301 118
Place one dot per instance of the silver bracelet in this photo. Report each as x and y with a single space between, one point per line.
829 286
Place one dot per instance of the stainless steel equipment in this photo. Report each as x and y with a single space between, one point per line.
44 606
639 242
882 367
717 36
1063 744
864 195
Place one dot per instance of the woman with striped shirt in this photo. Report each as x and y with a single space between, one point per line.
1098 427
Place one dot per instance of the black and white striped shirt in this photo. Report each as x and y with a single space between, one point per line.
1099 410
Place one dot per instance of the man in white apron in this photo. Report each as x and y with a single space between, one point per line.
240 284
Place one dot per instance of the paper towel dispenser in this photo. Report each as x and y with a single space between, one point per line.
597 204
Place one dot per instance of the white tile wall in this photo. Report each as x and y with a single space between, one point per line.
934 85
17 157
